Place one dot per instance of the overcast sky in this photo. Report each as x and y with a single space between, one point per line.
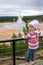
26 7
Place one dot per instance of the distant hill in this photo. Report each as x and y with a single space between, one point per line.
25 18
8 18
38 17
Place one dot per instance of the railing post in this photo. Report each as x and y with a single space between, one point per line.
13 52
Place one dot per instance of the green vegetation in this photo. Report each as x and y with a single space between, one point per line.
5 50
8 19
29 18
25 18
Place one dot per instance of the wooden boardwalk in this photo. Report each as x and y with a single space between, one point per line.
9 61
36 62
22 62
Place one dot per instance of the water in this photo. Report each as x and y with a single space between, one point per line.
17 26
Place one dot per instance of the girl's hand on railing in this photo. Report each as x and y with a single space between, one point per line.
22 37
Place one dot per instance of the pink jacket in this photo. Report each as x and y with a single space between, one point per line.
32 38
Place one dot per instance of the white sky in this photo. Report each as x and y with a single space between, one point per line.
26 7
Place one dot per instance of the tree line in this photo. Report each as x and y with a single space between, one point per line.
24 18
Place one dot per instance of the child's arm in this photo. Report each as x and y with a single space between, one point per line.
38 32
26 36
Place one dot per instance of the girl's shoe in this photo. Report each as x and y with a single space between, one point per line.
27 61
32 59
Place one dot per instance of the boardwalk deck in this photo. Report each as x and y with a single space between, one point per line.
36 62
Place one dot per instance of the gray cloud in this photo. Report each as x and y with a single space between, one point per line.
24 4
30 4
16 5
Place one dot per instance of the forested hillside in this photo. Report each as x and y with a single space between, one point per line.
25 18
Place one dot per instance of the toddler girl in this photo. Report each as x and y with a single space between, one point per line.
32 37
